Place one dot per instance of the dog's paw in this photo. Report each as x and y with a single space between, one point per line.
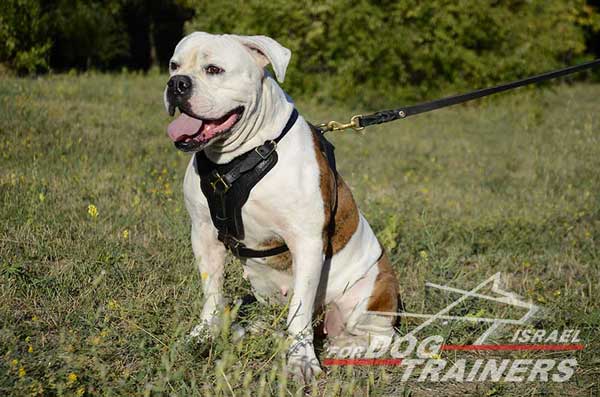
238 333
302 363
199 340
204 332
200 331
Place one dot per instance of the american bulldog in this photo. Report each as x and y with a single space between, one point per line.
229 105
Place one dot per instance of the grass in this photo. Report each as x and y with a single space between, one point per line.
97 283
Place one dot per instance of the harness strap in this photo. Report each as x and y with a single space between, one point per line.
328 151
238 249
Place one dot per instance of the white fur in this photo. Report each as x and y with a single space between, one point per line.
287 202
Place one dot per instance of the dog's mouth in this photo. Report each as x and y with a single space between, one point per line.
191 133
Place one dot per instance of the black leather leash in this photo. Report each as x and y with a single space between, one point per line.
359 122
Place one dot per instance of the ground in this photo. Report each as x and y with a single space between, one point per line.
97 283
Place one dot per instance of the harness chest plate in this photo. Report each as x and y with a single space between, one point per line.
227 187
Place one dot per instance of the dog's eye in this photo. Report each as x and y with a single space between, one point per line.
173 66
212 69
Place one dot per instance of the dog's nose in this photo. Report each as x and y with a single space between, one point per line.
180 84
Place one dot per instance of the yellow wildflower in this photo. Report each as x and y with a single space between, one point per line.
14 362
22 372
92 211
204 275
71 378
30 349
80 391
424 255
541 299
125 234
113 304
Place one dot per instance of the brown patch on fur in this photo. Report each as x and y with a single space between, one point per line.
384 297
283 261
346 215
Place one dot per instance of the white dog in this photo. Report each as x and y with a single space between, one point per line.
231 106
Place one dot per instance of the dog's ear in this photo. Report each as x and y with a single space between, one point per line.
266 50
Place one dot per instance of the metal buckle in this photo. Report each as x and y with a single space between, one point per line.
215 183
232 244
266 156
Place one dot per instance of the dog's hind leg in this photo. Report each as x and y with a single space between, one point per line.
268 284
363 324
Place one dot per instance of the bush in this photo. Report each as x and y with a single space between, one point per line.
88 34
349 50
38 35
357 50
24 42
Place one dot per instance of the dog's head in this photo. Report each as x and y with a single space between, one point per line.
216 82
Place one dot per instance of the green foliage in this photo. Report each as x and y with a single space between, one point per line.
90 32
81 33
406 50
409 49
24 43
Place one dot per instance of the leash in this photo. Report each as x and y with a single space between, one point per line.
359 122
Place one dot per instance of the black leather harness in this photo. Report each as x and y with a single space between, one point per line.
227 187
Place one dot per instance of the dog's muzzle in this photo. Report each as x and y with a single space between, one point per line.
179 92
191 132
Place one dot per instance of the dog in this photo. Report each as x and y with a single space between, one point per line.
333 264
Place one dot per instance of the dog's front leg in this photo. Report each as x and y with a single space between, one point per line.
210 259
307 265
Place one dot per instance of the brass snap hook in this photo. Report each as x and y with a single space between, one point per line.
337 126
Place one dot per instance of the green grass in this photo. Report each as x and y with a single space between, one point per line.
101 305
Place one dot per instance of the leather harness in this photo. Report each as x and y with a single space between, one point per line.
227 187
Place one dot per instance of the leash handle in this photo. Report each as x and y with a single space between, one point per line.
359 122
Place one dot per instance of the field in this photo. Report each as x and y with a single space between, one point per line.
97 284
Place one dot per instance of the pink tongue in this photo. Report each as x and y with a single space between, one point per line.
183 127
